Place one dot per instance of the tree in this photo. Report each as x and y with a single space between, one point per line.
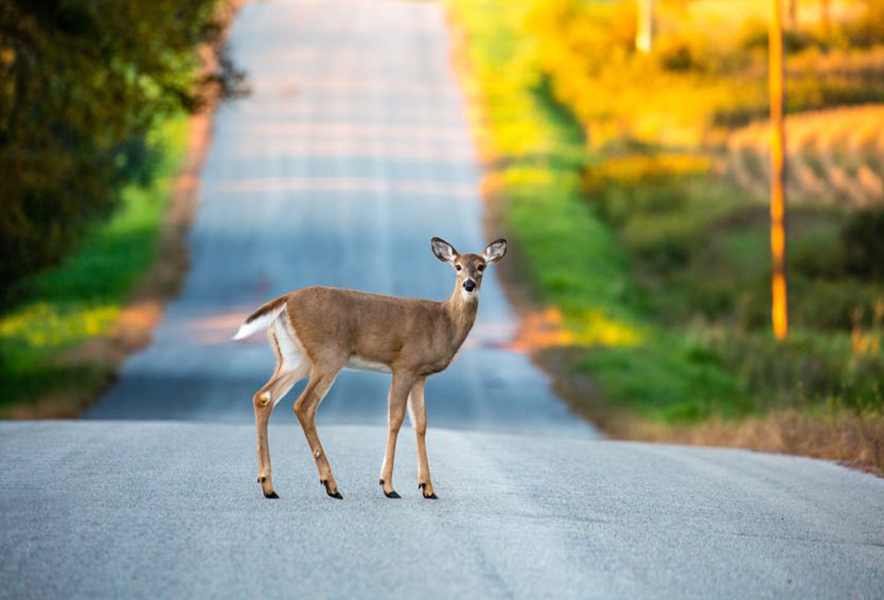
81 82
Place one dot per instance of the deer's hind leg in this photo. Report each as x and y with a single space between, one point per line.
289 370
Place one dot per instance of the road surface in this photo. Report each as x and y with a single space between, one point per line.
160 509
351 152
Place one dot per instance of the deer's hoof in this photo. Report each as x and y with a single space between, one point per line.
336 494
391 493
423 489
271 495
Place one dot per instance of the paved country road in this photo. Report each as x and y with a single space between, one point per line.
160 509
351 152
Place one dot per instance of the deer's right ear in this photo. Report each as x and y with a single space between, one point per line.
443 250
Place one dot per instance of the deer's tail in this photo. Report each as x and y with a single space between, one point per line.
261 318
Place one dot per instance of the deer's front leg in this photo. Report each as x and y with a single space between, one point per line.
419 422
399 390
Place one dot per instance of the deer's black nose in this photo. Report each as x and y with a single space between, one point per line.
469 285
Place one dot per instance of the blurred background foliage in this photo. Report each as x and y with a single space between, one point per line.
58 309
94 97
81 84
707 72
636 183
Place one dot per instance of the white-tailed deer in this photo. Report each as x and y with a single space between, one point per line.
320 330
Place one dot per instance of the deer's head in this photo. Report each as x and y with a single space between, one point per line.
469 268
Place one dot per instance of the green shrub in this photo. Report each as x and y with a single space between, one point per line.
862 244
804 371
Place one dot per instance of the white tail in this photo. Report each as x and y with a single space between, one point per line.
318 331
261 318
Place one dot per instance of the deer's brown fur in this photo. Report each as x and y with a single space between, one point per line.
320 330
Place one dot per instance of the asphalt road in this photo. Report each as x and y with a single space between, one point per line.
349 155
160 509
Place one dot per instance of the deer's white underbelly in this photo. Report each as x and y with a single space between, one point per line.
360 364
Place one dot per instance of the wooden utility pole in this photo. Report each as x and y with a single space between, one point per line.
644 31
780 312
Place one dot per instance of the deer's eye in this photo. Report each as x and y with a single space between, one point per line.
481 268
458 267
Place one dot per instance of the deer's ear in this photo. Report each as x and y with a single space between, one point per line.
495 251
443 250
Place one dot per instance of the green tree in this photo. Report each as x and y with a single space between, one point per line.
81 81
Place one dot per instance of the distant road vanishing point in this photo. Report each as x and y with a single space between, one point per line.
351 153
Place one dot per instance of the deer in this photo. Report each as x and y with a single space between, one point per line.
318 331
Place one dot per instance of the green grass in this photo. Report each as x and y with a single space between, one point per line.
82 297
704 264
574 258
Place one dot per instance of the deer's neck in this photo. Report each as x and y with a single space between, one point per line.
462 310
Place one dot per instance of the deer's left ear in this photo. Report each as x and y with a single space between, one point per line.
495 251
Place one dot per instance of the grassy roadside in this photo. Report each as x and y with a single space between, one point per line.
625 250
573 258
82 298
